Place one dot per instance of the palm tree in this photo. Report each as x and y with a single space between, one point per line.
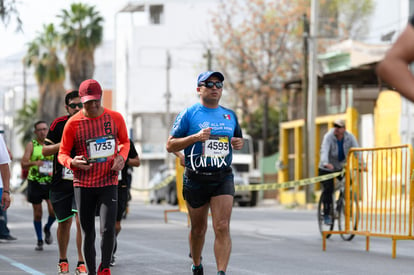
49 73
25 119
82 33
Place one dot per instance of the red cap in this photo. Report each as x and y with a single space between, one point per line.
90 90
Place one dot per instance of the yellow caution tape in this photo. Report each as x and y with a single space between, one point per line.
160 185
257 187
288 184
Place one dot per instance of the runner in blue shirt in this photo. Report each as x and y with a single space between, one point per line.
208 133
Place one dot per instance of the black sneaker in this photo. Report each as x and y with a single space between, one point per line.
197 270
8 238
39 246
11 238
48 236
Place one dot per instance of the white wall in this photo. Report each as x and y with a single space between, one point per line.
186 28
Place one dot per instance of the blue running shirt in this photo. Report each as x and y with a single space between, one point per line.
215 153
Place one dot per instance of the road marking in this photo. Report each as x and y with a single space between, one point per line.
21 266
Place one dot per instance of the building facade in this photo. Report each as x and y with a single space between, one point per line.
159 52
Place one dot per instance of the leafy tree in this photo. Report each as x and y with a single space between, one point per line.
8 11
275 115
349 17
25 119
82 33
260 47
49 73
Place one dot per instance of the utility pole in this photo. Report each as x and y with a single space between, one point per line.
209 58
305 88
312 89
167 103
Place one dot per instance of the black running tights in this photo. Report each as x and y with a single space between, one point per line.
87 202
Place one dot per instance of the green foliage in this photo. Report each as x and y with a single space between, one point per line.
255 131
81 27
82 32
42 55
25 119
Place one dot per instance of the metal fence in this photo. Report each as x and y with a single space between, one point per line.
379 182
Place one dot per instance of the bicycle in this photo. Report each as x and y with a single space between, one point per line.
337 210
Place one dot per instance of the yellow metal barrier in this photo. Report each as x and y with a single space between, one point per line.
182 206
380 183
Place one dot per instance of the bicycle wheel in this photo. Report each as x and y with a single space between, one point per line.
354 212
321 222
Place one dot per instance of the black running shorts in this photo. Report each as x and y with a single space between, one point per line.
197 192
63 204
37 192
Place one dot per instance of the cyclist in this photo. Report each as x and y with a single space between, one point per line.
334 149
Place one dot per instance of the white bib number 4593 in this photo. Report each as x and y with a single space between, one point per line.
217 146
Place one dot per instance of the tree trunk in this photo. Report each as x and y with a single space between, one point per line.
51 102
81 66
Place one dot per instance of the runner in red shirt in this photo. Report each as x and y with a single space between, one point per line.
95 133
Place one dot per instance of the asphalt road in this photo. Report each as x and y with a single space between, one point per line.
267 239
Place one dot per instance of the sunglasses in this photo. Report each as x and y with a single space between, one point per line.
73 105
337 126
210 84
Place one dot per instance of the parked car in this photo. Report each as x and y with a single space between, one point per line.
244 173
243 197
168 192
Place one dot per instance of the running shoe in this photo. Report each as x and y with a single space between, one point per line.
63 268
81 270
113 260
7 238
327 220
105 271
48 235
39 246
197 270
221 273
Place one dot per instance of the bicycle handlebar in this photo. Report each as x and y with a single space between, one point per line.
329 170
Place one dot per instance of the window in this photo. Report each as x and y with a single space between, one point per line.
157 14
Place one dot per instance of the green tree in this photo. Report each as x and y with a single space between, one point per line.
82 33
25 119
49 73
272 141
